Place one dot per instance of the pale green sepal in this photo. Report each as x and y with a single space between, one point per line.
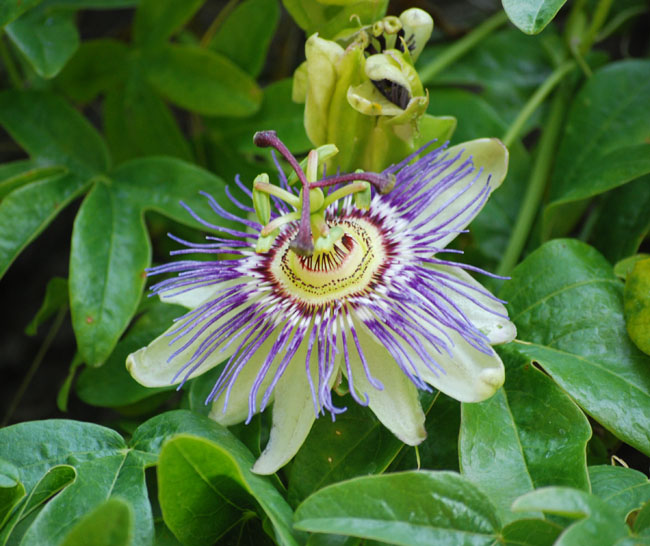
438 128
299 88
397 406
488 154
322 59
293 414
419 24
150 367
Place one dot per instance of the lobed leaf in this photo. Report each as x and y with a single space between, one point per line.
622 488
568 307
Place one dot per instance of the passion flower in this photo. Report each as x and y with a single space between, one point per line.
337 282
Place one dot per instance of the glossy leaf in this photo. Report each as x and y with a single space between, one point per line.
278 111
508 449
605 142
531 16
623 221
599 525
53 481
338 450
157 20
582 346
622 488
28 210
192 468
138 123
203 81
25 173
52 132
12 9
96 66
110 385
11 490
530 532
258 18
56 297
110 524
637 305
406 508
109 254
47 38
104 465
642 521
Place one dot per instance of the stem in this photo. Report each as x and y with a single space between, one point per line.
462 46
597 21
535 100
538 179
217 22
12 70
38 359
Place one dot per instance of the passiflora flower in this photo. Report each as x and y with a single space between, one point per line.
342 281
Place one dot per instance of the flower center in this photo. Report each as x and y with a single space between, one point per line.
348 268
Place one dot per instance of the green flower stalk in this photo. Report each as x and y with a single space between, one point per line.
367 98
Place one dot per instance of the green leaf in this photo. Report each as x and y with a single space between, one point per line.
567 305
278 112
52 132
605 142
531 16
27 211
157 20
110 524
46 37
203 81
97 66
258 18
642 521
623 221
110 252
355 444
53 481
637 305
137 123
93 4
160 183
11 490
329 18
507 450
56 297
29 173
599 525
193 468
530 532
111 385
623 488
406 508
12 9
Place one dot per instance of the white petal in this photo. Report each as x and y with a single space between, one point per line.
150 366
237 408
469 375
293 413
194 297
487 153
397 406
497 328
